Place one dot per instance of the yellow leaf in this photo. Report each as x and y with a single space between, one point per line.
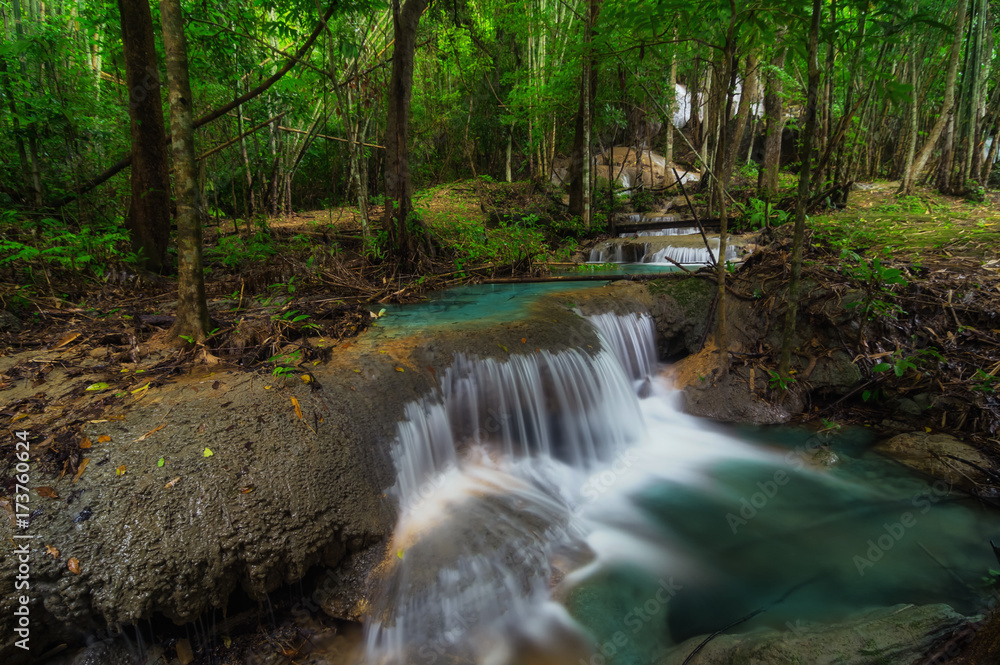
298 409
79 472
503 347
267 387
139 390
104 438
150 433
399 369
927 429
86 443
19 416
66 340
400 554
306 378
208 452
120 471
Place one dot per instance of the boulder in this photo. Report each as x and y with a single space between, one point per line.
900 635
934 455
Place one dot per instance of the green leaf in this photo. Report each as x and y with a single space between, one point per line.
881 367
101 385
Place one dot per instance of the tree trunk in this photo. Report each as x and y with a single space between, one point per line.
192 311
906 187
148 218
407 236
774 110
581 184
805 154
723 101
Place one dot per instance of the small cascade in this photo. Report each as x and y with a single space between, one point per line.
684 231
631 337
689 254
489 474
645 252
568 406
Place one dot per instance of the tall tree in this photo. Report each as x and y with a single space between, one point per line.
909 179
580 176
192 310
148 218
805 154
774 111
408 236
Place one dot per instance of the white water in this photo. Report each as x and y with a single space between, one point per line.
518 474
644 253
548 515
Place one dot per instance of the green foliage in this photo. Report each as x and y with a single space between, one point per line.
236 252
50 243
876 282
984 383
777 382
761 215
901 364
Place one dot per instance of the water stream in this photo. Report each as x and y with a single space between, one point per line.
558 507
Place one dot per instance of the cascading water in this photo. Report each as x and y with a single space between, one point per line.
682 231
616 252
546 512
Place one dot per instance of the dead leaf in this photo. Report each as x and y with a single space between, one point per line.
74 565
246 490
52 552
66 340
215 385
172 483
104 438
47 492
86 443
150 433
79 472
298 409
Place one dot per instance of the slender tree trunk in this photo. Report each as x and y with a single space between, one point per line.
774 110
580 176
407 236
723 100
788 334
668 151
906 187
192 310
148 217
911 147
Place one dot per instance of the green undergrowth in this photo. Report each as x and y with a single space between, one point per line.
880 222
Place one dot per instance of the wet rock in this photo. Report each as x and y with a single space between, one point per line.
935 455
9 322
680 310
899 635
908 407
836 375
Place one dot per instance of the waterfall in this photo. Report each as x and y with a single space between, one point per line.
567 405
490 470
684 231
636 252
689 254
546 512
632 338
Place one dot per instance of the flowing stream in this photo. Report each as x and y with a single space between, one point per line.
558 508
